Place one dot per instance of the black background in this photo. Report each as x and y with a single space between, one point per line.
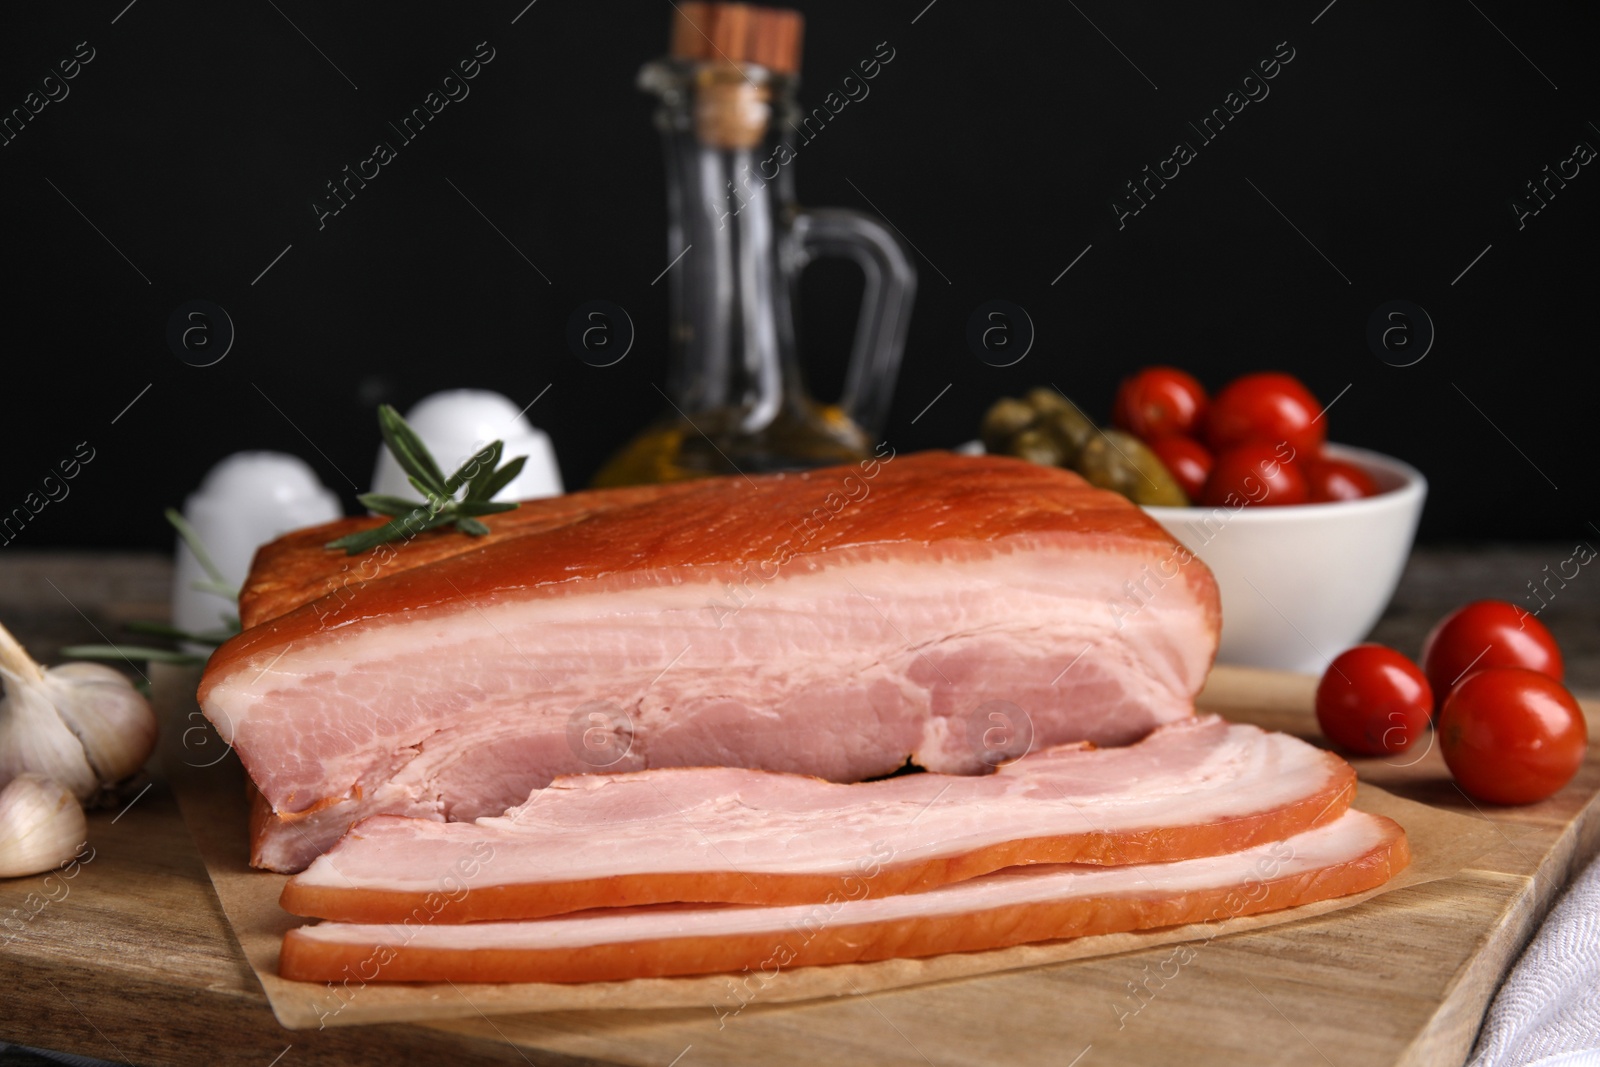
197 138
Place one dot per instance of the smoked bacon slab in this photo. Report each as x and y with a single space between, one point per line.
950 610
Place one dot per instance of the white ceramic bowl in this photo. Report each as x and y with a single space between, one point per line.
1302 583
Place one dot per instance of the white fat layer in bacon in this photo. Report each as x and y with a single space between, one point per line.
717 819
842 666
1346 839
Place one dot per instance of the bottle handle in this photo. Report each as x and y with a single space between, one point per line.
891 285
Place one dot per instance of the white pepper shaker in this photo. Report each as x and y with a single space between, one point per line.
244 501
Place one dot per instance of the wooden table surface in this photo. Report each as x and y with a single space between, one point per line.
136 962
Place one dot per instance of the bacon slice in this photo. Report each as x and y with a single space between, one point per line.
1195 788
833 623
1010 907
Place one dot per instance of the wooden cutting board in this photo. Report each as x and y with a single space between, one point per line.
133 960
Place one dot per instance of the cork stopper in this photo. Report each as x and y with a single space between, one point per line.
738 33
733 105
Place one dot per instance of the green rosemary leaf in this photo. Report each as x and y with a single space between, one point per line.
387 505
409 451
472 527
485 459
161 629
431 501
227 592
192 539
360 542
411 521
155 629
484 507
131 652
499 480
429 520
404 527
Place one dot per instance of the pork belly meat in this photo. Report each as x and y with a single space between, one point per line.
1014 906
947 609
1194 788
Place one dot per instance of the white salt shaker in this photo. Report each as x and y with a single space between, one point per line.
245 501
455 424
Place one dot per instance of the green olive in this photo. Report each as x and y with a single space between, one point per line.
1037 447
1007 418
1121 462
1045 399
1071 430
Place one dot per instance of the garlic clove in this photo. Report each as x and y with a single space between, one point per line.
34 738
41 826
110 718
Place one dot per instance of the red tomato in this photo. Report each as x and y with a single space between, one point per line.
1373 701
1511 735
1187 460
1335 479
1266 407
1257 472
1487 633
1158 401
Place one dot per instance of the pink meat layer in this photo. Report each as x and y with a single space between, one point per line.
950 610
1009 907
1193 788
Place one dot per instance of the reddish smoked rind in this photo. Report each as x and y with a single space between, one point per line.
545 544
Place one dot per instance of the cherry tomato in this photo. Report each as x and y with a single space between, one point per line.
1257 472
1373 701
1487 633
1157 402
1266 407
1335 479
1187 460
1511 735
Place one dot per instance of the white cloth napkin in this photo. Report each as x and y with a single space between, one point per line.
1547 1014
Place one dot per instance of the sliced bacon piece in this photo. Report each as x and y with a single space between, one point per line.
1010 907
832 622
1199 787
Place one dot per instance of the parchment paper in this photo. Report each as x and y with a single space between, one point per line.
212 800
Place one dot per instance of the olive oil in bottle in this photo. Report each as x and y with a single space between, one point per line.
737 240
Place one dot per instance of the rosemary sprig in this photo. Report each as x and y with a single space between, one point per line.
135 653
217 585
481 476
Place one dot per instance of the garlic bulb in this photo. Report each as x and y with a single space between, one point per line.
112 718
82 724
41 826
33 738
